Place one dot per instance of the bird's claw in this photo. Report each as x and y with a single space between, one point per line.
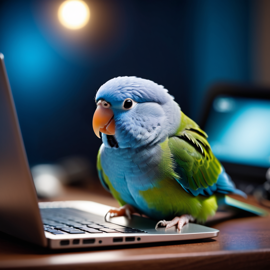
126 210
128 214
162 223
177 221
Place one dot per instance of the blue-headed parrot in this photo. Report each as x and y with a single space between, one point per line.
154 159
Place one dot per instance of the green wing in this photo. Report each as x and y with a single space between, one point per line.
105 181
195 163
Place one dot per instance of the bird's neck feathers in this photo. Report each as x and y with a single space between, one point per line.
173 117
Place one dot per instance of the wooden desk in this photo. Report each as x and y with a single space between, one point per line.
243 243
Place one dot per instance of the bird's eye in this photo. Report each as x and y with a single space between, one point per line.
128 104
104 104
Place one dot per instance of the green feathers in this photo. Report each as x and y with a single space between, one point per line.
167 166
168 200
193 154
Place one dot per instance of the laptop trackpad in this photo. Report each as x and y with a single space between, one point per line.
148 225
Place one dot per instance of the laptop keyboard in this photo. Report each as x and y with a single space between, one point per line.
72 221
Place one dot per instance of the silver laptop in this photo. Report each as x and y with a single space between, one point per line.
69 224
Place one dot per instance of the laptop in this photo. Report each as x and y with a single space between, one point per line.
67 224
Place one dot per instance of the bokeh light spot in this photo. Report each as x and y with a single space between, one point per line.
74 14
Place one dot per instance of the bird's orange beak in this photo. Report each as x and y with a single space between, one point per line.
103 121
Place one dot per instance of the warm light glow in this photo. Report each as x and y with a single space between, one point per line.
73 14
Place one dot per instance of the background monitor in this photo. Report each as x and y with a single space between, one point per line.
237 121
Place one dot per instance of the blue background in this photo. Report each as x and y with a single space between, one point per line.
54 72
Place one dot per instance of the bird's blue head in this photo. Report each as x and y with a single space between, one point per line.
134 112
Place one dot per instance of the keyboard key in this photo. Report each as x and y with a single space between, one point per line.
112 226
48 222
86 222
80 227
76 232
73 224
66 228
94 226
57 232
108 230
72 230
90 230
53 231
60 226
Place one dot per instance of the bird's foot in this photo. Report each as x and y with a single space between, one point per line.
126 210
177 221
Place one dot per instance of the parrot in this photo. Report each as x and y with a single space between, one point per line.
154 159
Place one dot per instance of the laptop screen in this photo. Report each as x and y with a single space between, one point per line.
239 130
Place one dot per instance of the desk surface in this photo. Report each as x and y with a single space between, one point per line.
242 243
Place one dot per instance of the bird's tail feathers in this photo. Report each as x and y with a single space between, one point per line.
240 193
225 185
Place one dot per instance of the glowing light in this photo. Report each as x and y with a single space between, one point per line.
74 14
